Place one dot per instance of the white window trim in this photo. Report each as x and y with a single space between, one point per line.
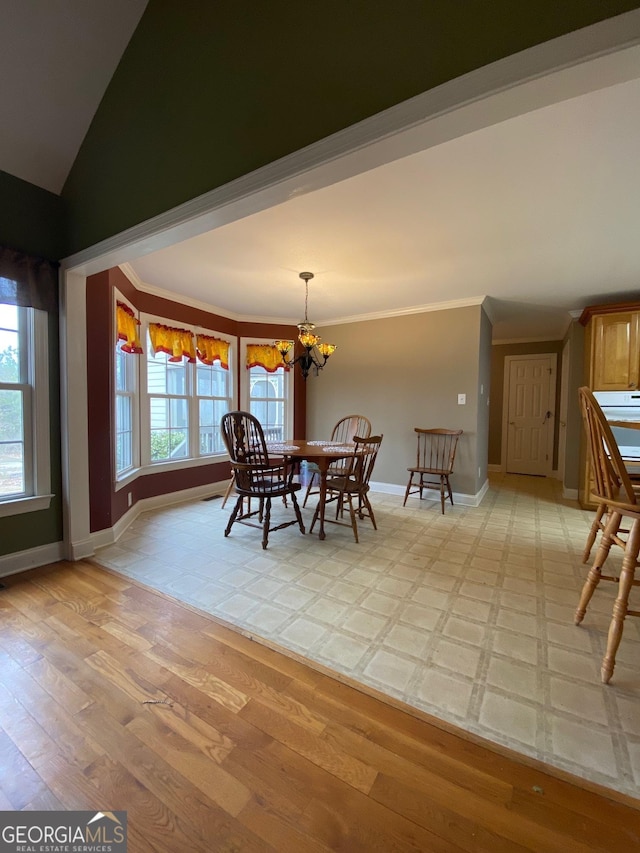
125 477
145 427
245 386
38 342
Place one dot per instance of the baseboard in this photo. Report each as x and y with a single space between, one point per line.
494 469
569 494
110 535
460 498
20 561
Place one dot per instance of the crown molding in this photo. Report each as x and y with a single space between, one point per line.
402 312
511 341
139 284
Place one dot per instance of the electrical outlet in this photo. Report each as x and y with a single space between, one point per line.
129 498
462 399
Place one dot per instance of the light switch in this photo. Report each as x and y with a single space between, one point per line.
462 399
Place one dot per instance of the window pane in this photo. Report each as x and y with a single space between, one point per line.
123 414
11 469
121 368
176 378
204 376
209 428
179 412
169 429
11 428
9 356
123 451
9 317
157 374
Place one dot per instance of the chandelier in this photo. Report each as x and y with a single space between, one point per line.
315 355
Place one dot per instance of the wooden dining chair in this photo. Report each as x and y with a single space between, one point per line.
256 475
613 492
434 462
353 482
343 432
629 486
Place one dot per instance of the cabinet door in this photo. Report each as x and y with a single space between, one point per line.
616 357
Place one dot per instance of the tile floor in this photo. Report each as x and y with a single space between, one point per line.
466 616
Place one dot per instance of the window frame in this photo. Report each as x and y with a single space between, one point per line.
195 458
245 386
132 368
33 335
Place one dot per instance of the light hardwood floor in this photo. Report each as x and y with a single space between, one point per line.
246 749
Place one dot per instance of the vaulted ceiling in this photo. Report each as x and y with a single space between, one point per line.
540 211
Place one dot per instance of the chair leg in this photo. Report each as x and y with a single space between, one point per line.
308 492
370 510
593 532
449 488
593 578
232 483
442 491
297 511
621 606
233 515
406 494
354 523
267 520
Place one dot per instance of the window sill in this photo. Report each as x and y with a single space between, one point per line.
173 465
23 505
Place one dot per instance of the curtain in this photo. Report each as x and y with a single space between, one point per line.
177 343
265 355
128 328
28 281
210 349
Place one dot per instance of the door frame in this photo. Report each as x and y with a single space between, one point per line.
508 360
565 364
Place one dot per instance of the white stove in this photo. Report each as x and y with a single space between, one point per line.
622 406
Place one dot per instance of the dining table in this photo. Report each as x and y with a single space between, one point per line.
323 454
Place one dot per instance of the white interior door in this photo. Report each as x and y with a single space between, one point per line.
530 399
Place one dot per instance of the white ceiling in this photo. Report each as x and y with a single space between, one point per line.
540 212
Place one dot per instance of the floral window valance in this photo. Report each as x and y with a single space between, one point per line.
265 355
209 350
127 324
28 281
176 343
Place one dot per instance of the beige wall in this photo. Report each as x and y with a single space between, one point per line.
406 372
575 335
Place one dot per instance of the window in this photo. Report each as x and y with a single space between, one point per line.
269 395
183 405
126 371
214 400
168 406
24 410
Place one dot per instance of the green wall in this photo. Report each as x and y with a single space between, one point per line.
32 220
209 91
32 529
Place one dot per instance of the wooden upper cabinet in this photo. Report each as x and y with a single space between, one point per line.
616 359
612 346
